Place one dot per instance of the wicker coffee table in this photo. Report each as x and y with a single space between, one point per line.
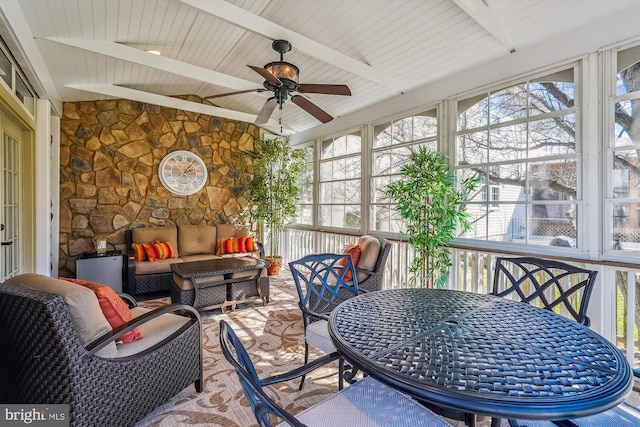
219 283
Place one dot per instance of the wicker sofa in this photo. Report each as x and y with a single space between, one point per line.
59 348
191 242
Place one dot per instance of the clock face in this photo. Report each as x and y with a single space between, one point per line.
182 172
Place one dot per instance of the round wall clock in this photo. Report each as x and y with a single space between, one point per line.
183 172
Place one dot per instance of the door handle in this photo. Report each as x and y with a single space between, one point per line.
4 243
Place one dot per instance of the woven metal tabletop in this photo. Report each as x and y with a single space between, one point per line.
481 354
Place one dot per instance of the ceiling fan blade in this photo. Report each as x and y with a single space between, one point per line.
311 108
326 89
266 75
234 93
265 112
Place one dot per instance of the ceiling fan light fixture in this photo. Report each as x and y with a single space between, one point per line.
283 70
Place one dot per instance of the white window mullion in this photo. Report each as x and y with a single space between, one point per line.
594 128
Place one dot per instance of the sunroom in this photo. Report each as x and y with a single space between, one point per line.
537 100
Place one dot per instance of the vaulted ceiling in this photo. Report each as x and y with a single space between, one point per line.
96 49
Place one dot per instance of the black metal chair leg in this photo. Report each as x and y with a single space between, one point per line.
306 360
470 419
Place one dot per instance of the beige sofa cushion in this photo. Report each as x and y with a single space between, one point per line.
187 284
153 331
156 267
84 309
162 234
196 239
369 255
227 231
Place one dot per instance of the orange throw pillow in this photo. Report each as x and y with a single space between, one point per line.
159 250
113 307
152 254
355 251
249 244
235 245
220 247
140 253
166 249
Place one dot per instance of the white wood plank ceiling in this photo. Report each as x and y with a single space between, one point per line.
96 49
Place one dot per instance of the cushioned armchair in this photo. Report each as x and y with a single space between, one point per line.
371 261
59 348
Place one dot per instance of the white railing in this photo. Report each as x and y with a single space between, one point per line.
614 307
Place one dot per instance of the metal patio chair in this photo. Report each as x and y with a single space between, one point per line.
549 284
366 403
321 282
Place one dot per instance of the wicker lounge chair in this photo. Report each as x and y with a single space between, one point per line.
56 350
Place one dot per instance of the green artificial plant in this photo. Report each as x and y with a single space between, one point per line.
276 185
432 207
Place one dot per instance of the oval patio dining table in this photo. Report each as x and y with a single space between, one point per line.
481 354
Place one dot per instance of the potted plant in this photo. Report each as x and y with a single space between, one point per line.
275 190
432 207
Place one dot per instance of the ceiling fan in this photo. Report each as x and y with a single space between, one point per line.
281 78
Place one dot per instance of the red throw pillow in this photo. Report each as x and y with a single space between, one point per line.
242 244
152 252
159 250
112 306
355 251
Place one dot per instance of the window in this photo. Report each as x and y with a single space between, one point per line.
5 68
392 144
622 199
304 210
339 184
24 94
521 140
494 194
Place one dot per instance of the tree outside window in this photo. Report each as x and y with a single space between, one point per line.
521 141
622 200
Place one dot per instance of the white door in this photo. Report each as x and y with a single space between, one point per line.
10 212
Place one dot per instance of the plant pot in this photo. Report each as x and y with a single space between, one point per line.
275 264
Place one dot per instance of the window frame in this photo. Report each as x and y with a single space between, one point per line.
609 98
436 139
318 181
578 109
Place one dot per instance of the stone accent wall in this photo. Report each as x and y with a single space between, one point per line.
110 151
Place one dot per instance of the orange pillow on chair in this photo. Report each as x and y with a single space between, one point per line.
113 307
355 251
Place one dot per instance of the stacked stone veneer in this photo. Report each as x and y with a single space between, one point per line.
109 156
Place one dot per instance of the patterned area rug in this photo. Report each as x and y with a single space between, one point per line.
272 335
